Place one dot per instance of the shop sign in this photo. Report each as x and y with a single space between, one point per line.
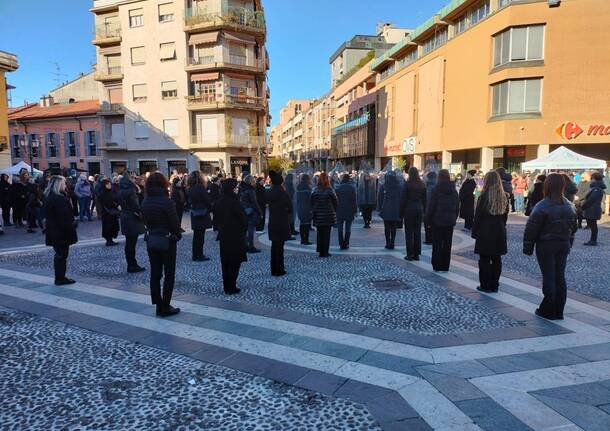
571 130
409 145
515 152
240 162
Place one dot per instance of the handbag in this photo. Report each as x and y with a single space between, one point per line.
199 212
157 242
249 211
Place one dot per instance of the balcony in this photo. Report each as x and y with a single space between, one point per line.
240 19
237 141
230 62
109 74
107 34
213 102
111 109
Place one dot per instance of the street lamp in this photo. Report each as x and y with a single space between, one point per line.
25 143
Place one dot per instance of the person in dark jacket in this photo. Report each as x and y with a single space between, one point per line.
247 197
33 207
201 214
431 179
592 206
60 229
304 207
260 198
550 230
232 223
280 214
571 188
389 207
412 205
507 184
178 195
347 208
110 214
19 197
583 187
5 199
467 199
132 224
367 197
289 186
489 231
536 195
324 213
441 214
163 233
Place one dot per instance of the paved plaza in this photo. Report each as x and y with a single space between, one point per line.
361 341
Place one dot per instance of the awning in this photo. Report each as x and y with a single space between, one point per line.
111 50
200 77
203 38
239 38
240 76
563 158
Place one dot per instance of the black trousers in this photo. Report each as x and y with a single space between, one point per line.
18 213
367 215
552 258
304 230
180 212
468 222
277 257
413 221
442 238
162 265
230 272
6 213
130 251
344 231
323 240
75 205
60 261
428 234
389 228
198 243
261 221
592 224
490 270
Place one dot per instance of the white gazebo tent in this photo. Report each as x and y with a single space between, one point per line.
563 159
15 169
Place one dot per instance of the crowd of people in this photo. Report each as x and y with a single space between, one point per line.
154 205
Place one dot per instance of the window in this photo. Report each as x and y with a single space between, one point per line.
139 92
407 59
136 17
70 144
113 63
93 168
91 142
34 138
167 51
169 90
54 166
138 55
209 131
204 54
73 165
51 145
206 90
118 167
435 41
166 12
141 129
479 12
117 133
519 44
115 95
170 127
517 97
15 145
237 54
461 24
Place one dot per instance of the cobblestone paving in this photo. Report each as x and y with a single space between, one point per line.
337 288
586 272
56 376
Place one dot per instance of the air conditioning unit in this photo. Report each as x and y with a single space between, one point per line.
554 3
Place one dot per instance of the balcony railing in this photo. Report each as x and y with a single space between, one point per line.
220 101
111 109
109 74
236 16
243 141
220 61
107 33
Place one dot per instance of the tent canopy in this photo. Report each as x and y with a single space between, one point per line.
563 158
14 170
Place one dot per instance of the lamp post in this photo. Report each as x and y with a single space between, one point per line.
25 143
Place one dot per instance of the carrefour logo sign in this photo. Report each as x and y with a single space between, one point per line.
571 130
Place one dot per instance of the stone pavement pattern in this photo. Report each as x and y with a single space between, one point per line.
320 348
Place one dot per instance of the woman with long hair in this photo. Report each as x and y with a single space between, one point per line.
412 206
163 233
324 213
280 214
550 230
441 214
247 197
489 231
201 213
132 225
60 228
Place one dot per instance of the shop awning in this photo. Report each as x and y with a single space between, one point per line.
200 77
240 76
563 158
203 38
239 38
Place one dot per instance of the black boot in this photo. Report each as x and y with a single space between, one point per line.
346 241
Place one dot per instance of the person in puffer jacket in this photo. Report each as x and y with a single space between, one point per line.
592 206
324 211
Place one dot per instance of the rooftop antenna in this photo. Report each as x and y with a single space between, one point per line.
58 76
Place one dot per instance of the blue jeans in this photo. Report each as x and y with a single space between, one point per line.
250 237
84 205
344 228
519 202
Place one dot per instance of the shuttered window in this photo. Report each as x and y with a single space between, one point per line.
138 55
136 17
139 93
167 51
170 127
166 12
169 90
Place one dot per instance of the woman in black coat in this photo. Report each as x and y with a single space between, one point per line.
19 197
536 195
412 205
5 199
389 207
324 213
178 196
489 231
304 207
346 209
110 214
201 214
592 206
260 198
289 186
231 222
280 214
132 224
467 199
550 229
247 197
60 229
441 214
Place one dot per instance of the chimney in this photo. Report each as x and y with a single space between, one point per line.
46 101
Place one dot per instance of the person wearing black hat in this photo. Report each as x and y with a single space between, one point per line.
231 221
467 199
280 215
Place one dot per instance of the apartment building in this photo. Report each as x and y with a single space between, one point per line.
184 84
487 83
8 63
291 128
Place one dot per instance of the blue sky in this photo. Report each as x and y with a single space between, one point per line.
302 36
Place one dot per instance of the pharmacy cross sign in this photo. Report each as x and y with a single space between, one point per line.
571 130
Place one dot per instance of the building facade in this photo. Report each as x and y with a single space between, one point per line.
8 63
84 87
62 136
183 84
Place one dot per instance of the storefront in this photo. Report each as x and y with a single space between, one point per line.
240 165
209 167
510 157
118 166
146 166
176 165
467 159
